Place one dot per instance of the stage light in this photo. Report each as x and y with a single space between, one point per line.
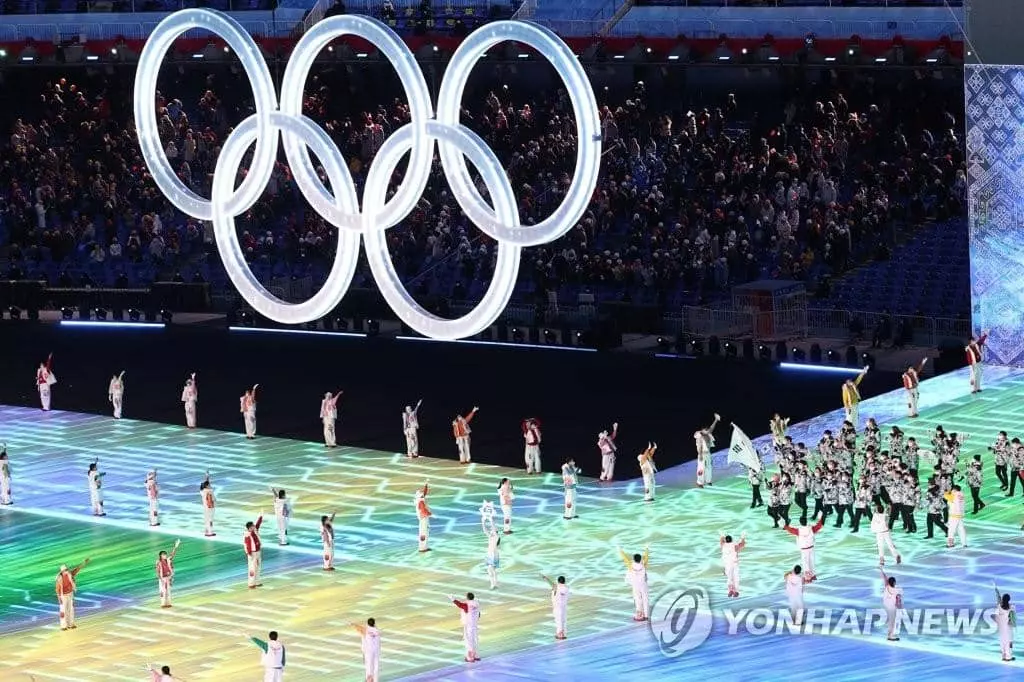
549 337
134 315
341 324
798 354
664 344
15 312
868 360
100 313
67 313
764 352
730 349
372 327
833 357
166 316
697 347
245 319
517 335
817 368
312 325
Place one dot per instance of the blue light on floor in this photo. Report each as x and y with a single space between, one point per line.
820 368
307 332
122 325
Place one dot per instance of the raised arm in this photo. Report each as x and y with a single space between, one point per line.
361 629
79 567
334 400
549 581
49 362
714 423
417 408
260 643
860 377
920 367
174 550
646 557
625 558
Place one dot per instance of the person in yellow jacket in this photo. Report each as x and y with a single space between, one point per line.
851 397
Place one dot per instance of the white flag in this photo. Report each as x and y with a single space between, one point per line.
742 450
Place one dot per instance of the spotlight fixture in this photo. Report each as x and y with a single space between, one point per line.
799 355
764 352
697 347
730 349
868 360
67 313
100 313
833 357
549 337
517 335
134 314
664 344
245 319
166 316
15 312
341 324
372 327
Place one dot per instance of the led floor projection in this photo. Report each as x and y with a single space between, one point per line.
380 574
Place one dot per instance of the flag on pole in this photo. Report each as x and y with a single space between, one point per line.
742 450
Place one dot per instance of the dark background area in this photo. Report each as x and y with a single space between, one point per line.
575 394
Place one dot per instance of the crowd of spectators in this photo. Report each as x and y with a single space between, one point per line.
693 198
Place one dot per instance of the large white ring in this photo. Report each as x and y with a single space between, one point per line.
497 218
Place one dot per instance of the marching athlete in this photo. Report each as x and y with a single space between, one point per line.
955 501
461 430
531 434
370 638
805 543
95 477
892 602
165 574
283 514
1006 623
66 587
253 551
153 494
911 383
570 479
189 397
115 393
423 514
247 406
731 561
209 505
470 618
45 378
329 416
327 538
795 581
411 429
975 358
705 440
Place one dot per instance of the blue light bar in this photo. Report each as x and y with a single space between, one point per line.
820 368
473 342
307 332
673 356
102 323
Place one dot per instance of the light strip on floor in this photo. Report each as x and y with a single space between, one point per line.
820 368
102 323
307 332
473 342
673 356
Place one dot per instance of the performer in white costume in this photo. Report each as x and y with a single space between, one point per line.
731 561
423 514
470 624
493 558
370 638
45 378
283 514
411 429
189 396
5 478
606 444
253 551
647 470
95 477
153 495
883 536
1006 622
531 434
115 393
209 505
247 406
329 416
327 538
461 431
559 604
506 495
273 658
165 574
795 581
892 602
636 577
65 587
570 479
805 543
705 440
911 384
955 502
975 358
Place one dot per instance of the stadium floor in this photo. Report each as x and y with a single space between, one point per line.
381 574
